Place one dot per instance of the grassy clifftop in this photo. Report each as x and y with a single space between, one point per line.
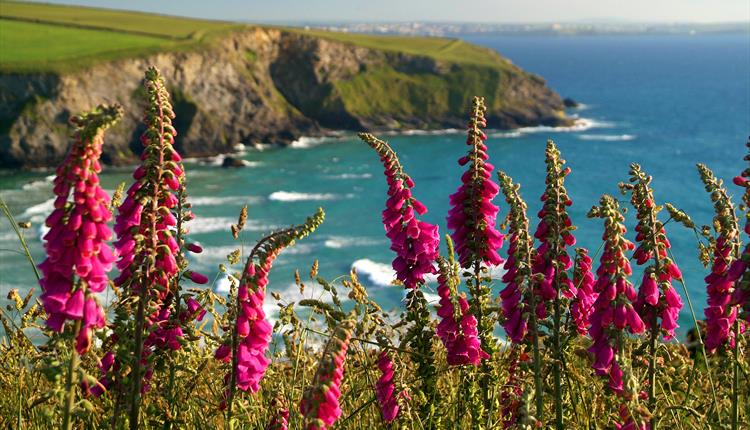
240 83
38 37
113 20
443 49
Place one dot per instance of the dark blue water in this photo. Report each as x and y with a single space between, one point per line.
666 102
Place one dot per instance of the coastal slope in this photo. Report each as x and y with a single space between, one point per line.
250 84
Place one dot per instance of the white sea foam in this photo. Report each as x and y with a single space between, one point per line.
506 134
223 283
293 196
378 274
298 249
218 160
608 137
42 231
419 132
38 212
210 224
38 184
339 242
220 201
580 124
305 142
431 298
383 275
291 294
215 254
350 176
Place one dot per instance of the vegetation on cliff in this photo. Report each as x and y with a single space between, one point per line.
240 83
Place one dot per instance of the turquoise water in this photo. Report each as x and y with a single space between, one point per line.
666 102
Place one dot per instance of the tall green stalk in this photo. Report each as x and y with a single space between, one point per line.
736 377
135 393
234 339
70 388
556 366
652 371
538 389
654 332
485 337
699 335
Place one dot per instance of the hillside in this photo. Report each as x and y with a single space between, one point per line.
239 83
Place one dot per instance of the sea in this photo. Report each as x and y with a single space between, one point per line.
665 102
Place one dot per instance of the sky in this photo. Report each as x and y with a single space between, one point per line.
489 11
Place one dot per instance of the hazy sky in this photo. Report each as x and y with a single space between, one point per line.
443 10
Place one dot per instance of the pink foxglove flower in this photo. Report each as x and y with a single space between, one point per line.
517 277
146 226
738 271
385 389
457 329
78 256
613 310
583 302
720 312
657 297
252 330
472 214
146 220
320 401
554 233
415 242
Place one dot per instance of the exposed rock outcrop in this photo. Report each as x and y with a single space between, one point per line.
268 86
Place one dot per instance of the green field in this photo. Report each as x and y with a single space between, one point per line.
25 45
44 37
453 50
132 22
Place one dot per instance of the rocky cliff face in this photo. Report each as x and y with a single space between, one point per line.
264 86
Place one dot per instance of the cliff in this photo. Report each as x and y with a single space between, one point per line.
268 85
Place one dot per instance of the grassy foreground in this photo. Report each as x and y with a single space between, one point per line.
168 354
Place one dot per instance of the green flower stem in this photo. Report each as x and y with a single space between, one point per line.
538 389
70 388
736 377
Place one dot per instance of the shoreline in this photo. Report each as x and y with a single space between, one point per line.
312 140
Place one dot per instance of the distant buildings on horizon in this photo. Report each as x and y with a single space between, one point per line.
439 29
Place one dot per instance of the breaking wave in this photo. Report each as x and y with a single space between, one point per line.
608 137
293 196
